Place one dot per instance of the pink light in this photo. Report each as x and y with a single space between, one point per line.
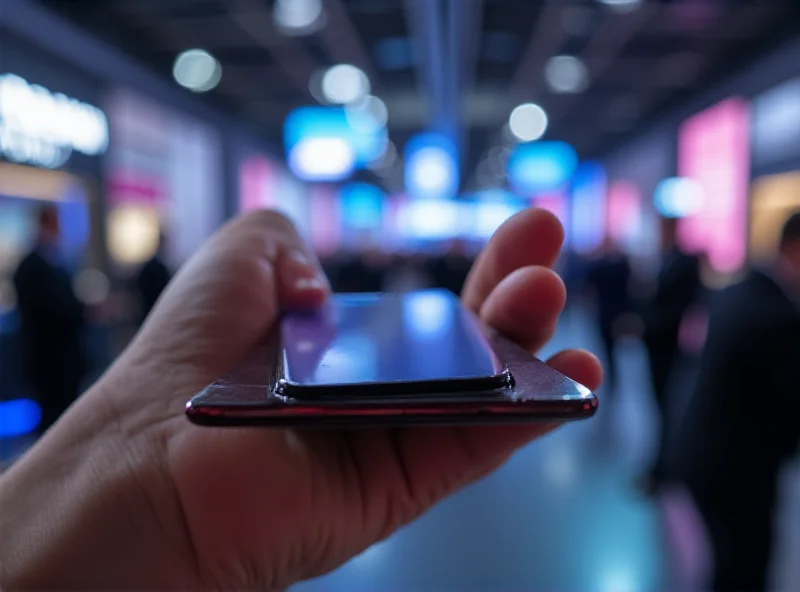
624 213
392 228
555 203
713 150
135 187
257 185
326 220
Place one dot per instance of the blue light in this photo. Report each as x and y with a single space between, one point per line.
588 207
19 417
491 208
330 126
431 167
362 206
541 166
678 197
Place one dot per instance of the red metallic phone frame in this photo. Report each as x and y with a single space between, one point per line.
247 397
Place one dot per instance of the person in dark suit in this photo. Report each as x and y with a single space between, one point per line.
153 279
610 277
744 418
52 322
677 288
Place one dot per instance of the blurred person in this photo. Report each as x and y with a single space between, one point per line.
574 276
743 421
246 509
609 276
153 278
677 288
52 318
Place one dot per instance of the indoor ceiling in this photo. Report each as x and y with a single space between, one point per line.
459 66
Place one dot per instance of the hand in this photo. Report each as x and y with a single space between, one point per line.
125 492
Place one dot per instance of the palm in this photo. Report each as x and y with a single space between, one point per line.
263 508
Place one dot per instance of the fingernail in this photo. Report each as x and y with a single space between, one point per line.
309 283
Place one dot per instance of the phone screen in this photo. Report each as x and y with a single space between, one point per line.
415 342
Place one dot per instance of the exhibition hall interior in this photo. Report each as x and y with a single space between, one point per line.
398 136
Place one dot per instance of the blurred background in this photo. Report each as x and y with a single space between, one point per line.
398 135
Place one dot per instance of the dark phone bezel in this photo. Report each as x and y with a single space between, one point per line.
248 397
381 390
283 385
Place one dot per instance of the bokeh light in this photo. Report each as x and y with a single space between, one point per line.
344 83
197 70
541 166
299 17
431 168
528 122
677 197
322 159
19 417
133 231
566 74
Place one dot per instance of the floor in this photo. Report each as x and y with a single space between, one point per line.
562 514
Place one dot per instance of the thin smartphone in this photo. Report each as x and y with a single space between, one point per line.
397 359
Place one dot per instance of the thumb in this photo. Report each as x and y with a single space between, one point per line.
221 304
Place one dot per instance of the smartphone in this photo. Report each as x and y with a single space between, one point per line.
399 359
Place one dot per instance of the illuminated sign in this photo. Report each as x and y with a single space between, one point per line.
43 128
362 206
713 151
431 167
541 166
624 216
322 144
589 195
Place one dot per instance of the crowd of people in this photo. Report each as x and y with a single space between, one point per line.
743 421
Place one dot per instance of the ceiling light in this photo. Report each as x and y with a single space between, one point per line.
368 115
566 74
528 122
197 70
622 5
345 84
677 197
299 17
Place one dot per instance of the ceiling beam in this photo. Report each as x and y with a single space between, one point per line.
465 20
546 38
425 23
254 18
343 42
605 45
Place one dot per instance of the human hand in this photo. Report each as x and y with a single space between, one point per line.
125 492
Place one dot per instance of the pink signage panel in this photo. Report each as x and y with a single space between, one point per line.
713 149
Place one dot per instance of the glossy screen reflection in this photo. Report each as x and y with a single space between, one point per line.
367 339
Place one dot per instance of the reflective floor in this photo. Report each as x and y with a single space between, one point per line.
563 514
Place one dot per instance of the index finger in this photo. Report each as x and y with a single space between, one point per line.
532 237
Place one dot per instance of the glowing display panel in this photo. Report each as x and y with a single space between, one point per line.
713 150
